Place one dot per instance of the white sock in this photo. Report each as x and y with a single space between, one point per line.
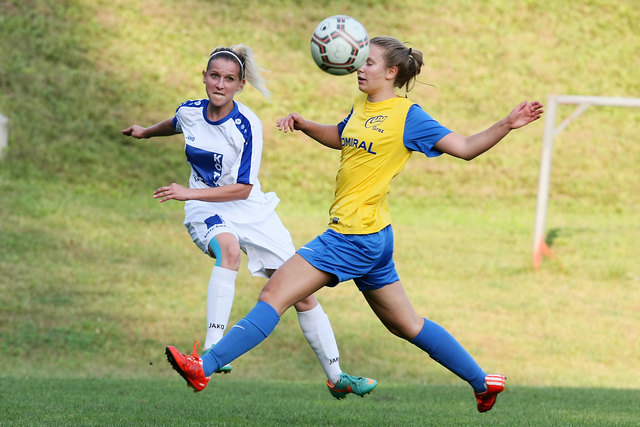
222 286
316 328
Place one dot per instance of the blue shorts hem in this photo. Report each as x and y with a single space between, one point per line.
367 258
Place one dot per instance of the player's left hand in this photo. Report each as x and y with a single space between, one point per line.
524 114
173 191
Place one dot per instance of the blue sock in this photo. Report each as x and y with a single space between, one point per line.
242 337
446 350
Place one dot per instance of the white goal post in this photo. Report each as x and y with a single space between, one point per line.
540 246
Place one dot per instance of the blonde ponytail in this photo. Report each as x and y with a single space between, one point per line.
252 69
249 68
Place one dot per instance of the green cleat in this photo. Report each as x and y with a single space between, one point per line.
226 369
349 384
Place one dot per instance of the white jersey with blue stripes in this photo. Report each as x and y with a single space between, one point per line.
224 152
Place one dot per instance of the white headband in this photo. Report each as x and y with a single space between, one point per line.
232 54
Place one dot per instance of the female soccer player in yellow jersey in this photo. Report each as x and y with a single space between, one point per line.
376 139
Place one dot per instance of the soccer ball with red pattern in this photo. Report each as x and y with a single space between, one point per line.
340 45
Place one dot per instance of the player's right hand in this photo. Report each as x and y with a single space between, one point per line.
135 131
293 121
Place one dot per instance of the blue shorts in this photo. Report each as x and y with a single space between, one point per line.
365 258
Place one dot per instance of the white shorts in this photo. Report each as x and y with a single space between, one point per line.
267 243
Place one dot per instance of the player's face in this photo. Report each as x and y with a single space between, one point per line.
374 77
222 80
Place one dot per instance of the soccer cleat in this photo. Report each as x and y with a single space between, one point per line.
349 384
188 366
226 369
486 399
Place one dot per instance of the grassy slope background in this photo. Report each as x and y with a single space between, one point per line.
96 277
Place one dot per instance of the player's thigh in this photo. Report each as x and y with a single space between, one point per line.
392 306
294 281
306 304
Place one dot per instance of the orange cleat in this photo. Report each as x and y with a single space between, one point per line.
188 366
486 399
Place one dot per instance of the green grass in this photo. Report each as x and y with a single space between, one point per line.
228 401
93 271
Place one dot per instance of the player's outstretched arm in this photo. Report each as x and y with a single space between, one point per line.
469 147
164 128
327 135
224 193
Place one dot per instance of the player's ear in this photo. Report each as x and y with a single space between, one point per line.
392 72
204 76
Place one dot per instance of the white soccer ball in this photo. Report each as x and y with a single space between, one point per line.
340 45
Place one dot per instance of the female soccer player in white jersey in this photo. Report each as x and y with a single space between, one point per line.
376 140
226 212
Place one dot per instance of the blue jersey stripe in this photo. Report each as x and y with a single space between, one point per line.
244 171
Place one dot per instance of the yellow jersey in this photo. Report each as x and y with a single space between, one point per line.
377 140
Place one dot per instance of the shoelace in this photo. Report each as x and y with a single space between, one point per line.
356 380
196 346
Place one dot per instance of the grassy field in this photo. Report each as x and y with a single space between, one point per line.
230 401
96 277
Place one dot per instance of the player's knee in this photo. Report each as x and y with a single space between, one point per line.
231 257
267 295
395 331
276 299
306 304
227 253
231 253
405 330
